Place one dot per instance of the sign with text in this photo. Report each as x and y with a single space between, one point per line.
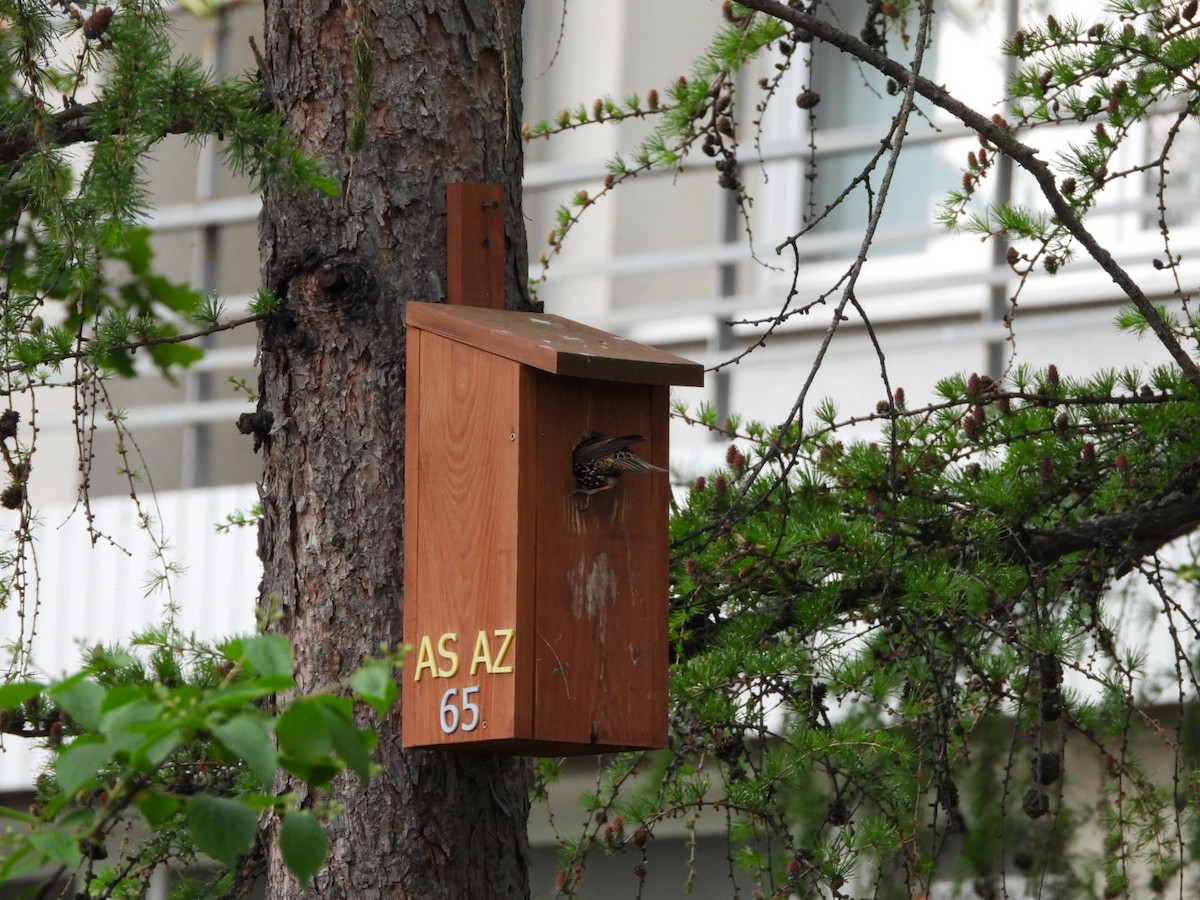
459 710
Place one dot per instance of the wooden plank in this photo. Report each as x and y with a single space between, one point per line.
602 583
412 493
475 245
525 535
527 747
461 683
556 345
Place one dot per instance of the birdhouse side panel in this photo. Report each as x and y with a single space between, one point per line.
601 633
461 681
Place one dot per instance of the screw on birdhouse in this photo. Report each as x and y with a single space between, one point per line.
599 461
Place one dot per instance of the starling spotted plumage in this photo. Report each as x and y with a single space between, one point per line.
598 462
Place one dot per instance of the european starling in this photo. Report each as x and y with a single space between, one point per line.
598 462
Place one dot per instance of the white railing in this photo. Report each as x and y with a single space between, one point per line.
97 594
934 287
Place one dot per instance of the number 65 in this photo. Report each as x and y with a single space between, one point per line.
451 718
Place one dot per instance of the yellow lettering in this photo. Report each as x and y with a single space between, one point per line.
483 653
507 634
448 655
446 662
425 658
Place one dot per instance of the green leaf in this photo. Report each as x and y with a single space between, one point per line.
303 732
222 828
124 695
81 762
157 808
352 744
267 654
314 774
81 699
178 297
312 730
58 846
167 356
136 253
19 862
7 813
142 727
120 723
246 692
249 737
18 692
375 684
304 845
157 747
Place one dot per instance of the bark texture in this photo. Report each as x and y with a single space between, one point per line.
436 86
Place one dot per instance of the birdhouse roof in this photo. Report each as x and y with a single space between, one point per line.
554 344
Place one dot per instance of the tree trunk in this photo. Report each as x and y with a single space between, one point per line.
436 85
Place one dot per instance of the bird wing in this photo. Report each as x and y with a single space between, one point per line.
628 462
595 448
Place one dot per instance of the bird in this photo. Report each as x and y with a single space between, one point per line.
598 461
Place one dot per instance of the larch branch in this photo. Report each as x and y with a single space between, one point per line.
1001 137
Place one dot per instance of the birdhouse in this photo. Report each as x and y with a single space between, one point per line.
535 556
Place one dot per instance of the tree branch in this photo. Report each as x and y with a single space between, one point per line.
1126 536
134 346
72 125
1022 154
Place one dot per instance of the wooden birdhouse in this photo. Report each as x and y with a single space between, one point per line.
536 612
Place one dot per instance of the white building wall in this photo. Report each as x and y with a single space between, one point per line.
96 588
647 260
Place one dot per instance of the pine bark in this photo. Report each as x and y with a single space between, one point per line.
441 104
